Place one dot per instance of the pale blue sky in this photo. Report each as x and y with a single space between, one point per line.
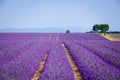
76 15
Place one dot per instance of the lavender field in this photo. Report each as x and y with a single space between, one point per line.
41 56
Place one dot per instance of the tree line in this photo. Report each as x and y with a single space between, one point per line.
103 28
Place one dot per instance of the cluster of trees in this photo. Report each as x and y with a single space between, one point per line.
103 28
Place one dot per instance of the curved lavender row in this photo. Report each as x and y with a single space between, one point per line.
114 45
87 37
80 36
51 36
57 66
108 55
90 65
66 37
25 66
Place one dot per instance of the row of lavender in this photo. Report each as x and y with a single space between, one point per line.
107 51
57 66
51 36
91 64
95 65
96 57
20 59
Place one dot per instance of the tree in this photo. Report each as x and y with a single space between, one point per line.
102 27
95 27
67 31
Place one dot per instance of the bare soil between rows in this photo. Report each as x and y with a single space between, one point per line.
76 72
110 37
39 71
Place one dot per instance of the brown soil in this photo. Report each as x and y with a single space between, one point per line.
38 72
117 36
56 38
111 38
77 74
49 37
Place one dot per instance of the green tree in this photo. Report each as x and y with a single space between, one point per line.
102 27
95 28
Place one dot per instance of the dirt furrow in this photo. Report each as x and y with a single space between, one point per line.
38 72
77 74
56 38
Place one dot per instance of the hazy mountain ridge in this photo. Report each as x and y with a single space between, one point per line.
46 30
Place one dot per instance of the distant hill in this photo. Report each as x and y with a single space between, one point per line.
41 30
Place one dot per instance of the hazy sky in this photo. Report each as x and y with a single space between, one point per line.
79 15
